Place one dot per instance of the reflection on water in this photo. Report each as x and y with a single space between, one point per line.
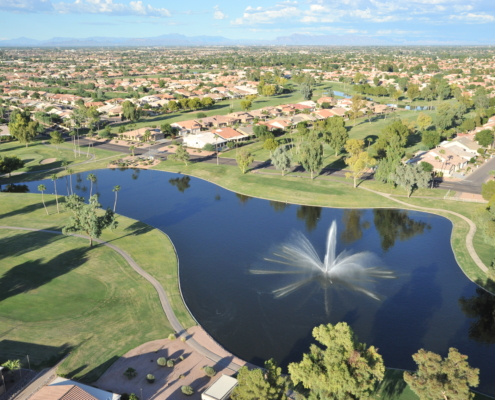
243 198
182 184
278 206
15 188
353 226
310 215
396 224
481 307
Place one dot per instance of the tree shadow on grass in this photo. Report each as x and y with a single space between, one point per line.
29 208
31 275
392 385
40 355
26 241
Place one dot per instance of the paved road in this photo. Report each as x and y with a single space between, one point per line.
167 308
470 185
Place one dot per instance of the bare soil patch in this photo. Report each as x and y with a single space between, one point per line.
48 161
197 152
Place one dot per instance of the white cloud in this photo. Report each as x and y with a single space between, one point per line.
262 15
480 18
217 14
25 6
107 7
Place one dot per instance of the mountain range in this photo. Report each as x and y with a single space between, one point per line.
175 39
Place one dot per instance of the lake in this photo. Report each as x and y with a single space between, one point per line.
222 237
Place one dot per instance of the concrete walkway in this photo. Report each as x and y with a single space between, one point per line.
167 308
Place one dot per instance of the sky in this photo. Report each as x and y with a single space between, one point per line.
407 20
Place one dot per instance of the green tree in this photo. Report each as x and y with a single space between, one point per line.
413 92
116 190
480 99
42 188
246 105
93 179
430 138
336 134
358 160
357 104
410 177
181 154
54 178
270 144
56 138
10 164
244 159
396 129
306 91
484 137
311 156
86 217
207 102
442 379
488 190
23 129
344 369
132 148
173 106
424 121
281 159
257 385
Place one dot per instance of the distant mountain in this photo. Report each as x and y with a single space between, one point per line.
175 39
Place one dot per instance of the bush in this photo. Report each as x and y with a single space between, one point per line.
170 363
201 115
209 371
130 373
181 358
150 378
171 336
187 390
209 147
162 361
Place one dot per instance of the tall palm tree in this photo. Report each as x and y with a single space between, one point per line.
54 178
93 179
131 148
70 172
116 190
42 188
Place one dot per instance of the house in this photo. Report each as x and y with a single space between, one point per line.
138 134
244 117
65 389
247 130
229 134
200 140
187 127
325 99
221 389
324 114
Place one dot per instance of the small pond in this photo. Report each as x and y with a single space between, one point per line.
221 237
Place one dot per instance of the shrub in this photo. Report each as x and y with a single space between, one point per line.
130 373
150 378
209 371
181 358
133 397
162 361
171 336
170 363
187 390
209 147
183 339
182 376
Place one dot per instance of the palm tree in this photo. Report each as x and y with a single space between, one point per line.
12 365
131 148
93 179
54 178
70 172
42 188
116 190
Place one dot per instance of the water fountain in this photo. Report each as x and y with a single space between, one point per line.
357 272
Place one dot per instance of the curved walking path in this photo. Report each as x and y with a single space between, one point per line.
167 308
469 236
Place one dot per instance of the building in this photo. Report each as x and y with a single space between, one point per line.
138 134
200 140
221 389
65 389
187 127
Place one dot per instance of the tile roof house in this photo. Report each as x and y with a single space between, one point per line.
65 389
187 127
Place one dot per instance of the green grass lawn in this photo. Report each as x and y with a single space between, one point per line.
57 295
37 151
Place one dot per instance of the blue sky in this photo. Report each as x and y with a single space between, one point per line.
411 20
